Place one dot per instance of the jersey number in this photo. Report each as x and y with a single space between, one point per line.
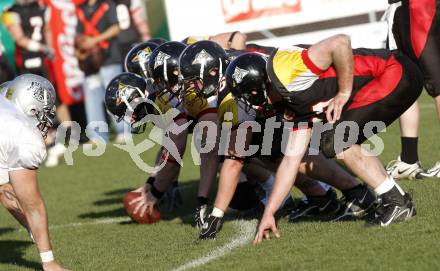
37 23
123 16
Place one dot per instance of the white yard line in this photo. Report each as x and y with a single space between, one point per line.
246 231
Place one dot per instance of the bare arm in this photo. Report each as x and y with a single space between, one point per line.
141 24
288 168
335 51
23 41
111 32
285 178
24 182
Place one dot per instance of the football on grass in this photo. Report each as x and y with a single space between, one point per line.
144 219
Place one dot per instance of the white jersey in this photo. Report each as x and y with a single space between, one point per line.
21 143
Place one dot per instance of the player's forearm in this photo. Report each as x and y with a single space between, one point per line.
36 216
229 177
111 32
288 168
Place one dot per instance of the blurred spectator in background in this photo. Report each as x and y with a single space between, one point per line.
6 72
25 21
132 23
100 59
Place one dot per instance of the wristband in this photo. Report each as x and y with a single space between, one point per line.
150 180
47 256
156 193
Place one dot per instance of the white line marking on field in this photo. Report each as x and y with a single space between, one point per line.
245 234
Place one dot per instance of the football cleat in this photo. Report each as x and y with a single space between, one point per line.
210 227
357 203
401 170
316 208
200 215
393 208
433 172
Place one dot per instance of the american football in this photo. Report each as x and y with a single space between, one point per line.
144 219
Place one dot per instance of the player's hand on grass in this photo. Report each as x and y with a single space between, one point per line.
53 266
267 225
145 202
334 109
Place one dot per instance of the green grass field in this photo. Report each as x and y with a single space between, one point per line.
90 230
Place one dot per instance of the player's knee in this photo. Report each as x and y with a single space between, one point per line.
328 144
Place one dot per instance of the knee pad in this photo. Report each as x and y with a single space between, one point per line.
327 143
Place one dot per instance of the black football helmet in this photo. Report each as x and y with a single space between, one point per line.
202 65
158 41
164 66
125 98
246 79
136 60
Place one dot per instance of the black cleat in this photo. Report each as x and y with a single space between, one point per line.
200 216
210 228
393 208
357 203
316 208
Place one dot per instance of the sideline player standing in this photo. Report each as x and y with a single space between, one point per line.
419 39
25 119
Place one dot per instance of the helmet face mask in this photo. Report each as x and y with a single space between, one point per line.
126 100
247 80
163 66
202 66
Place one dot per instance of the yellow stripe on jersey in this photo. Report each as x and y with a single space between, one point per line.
228 105
229 111
10 18
290 69
194 39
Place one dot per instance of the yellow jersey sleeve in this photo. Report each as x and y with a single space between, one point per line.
291 70
230 111
10 18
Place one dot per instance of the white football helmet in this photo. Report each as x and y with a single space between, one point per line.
35 97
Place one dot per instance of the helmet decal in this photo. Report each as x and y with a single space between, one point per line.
142 55
202 57
239 74
161 59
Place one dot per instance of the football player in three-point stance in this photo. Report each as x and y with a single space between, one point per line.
332 82
27 108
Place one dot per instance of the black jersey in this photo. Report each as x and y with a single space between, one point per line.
129 33
31 19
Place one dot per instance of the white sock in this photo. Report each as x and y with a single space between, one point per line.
217 212
387 185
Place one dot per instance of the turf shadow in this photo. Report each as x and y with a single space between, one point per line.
12 251
6 230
